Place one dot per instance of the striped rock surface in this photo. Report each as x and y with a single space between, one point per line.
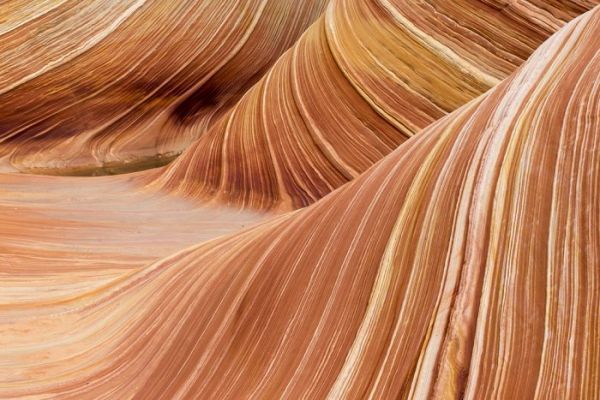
103 86
464 264
364 78
266 158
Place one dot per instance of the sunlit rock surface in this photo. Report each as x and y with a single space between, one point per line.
460 260
368 75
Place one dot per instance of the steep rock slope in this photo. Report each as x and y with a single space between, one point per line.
364 78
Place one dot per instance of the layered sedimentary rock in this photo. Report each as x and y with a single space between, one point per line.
308 127
368 75
464 264
97 86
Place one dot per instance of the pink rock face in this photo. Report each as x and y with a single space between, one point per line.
403 204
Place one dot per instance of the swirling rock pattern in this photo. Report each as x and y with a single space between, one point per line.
368 75
279 148
464 264
101 86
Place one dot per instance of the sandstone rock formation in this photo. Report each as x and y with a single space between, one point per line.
401 207
368 75
102 86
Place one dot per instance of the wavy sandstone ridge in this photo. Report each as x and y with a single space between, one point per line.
364 78
97 86
278 149
463 264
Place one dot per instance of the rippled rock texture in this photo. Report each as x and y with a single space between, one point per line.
401 200
103 86
364 78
